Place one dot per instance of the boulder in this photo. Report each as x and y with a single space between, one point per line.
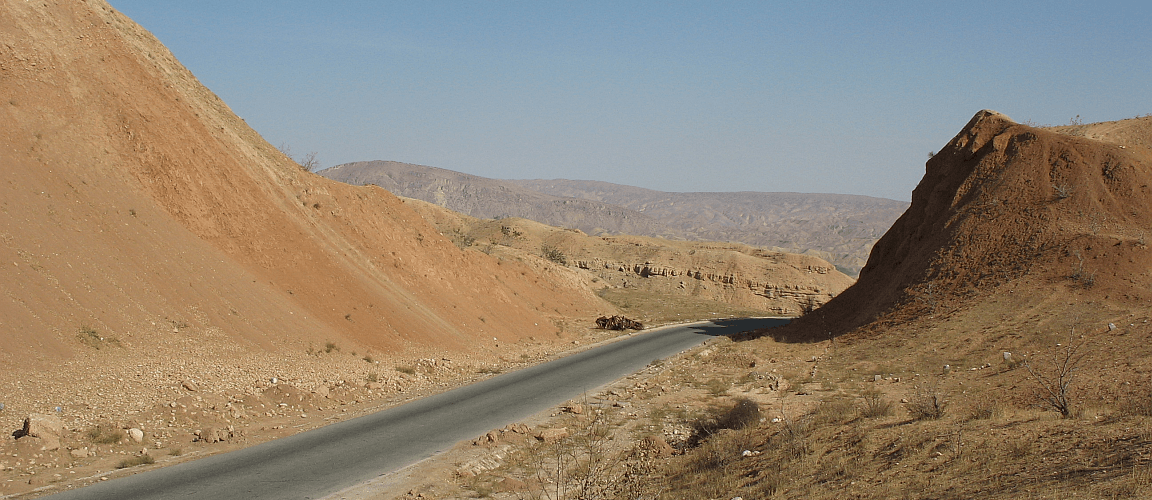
550 436
518 428
40 425
137 435
215 434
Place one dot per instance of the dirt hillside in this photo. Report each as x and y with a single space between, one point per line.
1005 202
633 269
138 212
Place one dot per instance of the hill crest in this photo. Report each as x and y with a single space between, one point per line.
1005 202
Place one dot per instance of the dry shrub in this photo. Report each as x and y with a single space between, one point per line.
580 466
1054 379
137 460
1138 404
105 434
874 405
1020 448
720 450
986 410
745 413
834 411
717 387
926 404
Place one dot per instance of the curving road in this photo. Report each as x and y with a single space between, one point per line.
323 461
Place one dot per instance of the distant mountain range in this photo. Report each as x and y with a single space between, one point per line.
838 228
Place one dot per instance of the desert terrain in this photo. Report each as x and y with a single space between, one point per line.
840 229
996 346
174 286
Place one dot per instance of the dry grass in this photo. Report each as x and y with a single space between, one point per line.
105 434
144 459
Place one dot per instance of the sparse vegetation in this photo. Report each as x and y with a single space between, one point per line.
329 347
92 338
307 163
743 413
406 369
554 254
579 466
461 239
1055 374
874 404
927 403
986 410
142 459
105 434
372 377
1080 275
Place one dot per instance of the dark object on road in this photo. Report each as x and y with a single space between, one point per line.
618 323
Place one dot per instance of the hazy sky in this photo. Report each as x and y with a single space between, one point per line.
835 97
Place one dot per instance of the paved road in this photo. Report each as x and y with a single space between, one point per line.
323 461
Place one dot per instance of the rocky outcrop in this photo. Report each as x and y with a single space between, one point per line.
1005 202
783 295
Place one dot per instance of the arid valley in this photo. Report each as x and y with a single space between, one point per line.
174 287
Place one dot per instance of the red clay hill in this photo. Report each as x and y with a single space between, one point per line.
137 209
1055 208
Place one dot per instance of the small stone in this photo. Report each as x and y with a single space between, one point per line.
79 453
189 385
876 378
1111 327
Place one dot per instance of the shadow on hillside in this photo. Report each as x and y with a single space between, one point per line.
749 329
738 327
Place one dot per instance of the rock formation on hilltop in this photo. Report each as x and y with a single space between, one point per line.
1004 201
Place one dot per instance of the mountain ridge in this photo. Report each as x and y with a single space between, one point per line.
836 228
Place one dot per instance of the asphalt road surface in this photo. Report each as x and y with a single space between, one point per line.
323 461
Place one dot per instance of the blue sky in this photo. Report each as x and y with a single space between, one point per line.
826 97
